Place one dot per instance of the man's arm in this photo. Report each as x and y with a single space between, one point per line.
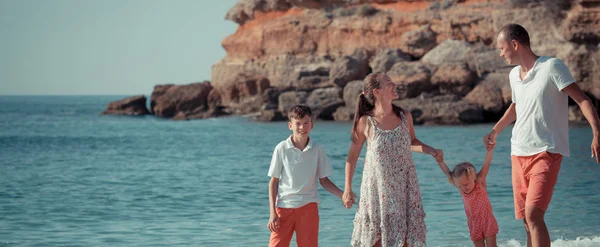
590 113
510 115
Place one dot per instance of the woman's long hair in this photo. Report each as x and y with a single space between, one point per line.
366 101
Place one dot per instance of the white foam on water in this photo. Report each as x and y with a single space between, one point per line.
578 242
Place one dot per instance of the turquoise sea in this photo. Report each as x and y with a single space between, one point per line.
72 177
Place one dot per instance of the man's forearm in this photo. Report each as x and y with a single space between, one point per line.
591 114
509 117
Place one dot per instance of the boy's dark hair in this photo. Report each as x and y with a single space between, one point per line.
462 168
516 32
299 111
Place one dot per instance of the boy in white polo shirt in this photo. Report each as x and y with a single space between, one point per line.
298 164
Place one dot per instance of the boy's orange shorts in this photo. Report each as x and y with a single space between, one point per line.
533 179
303 220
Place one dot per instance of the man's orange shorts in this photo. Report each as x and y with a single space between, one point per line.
533 179
303 220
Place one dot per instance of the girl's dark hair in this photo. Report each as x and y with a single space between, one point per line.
462 168
366 101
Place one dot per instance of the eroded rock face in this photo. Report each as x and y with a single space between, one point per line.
484 59
493 94
582 23
384 59
184 101
448 52
454 78
448 109
442 56
131 106
412 78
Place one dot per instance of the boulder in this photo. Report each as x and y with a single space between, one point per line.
289 99
489 94
167 101
419 41
384 59
351 92
484 59
131 106
449 51
447 109
349 68
412 78
343 114
454 78
324 102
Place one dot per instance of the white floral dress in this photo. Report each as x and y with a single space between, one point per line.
390 206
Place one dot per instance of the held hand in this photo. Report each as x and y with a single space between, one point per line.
348 198
273 223
438 154
490 140
596 148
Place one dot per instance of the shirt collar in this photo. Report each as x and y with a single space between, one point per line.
290 144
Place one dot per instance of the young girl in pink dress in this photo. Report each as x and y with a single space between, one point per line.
472 186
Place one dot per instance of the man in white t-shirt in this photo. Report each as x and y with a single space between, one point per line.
540 138
297 167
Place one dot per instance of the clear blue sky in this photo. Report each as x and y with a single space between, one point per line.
108 46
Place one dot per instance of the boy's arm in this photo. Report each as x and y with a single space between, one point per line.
331 187
486 165
275 173
273 224
273 189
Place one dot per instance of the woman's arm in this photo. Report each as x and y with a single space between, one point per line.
444 167
353 154
416 145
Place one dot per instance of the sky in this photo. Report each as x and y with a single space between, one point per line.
108 47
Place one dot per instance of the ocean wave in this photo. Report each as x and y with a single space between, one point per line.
578 242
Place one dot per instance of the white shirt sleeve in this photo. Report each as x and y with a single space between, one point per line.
511 78
324 168
560 75
276 164
513 98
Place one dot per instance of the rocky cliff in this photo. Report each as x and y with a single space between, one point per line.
441 53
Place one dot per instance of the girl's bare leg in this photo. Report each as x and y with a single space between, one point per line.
491 241
479 243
